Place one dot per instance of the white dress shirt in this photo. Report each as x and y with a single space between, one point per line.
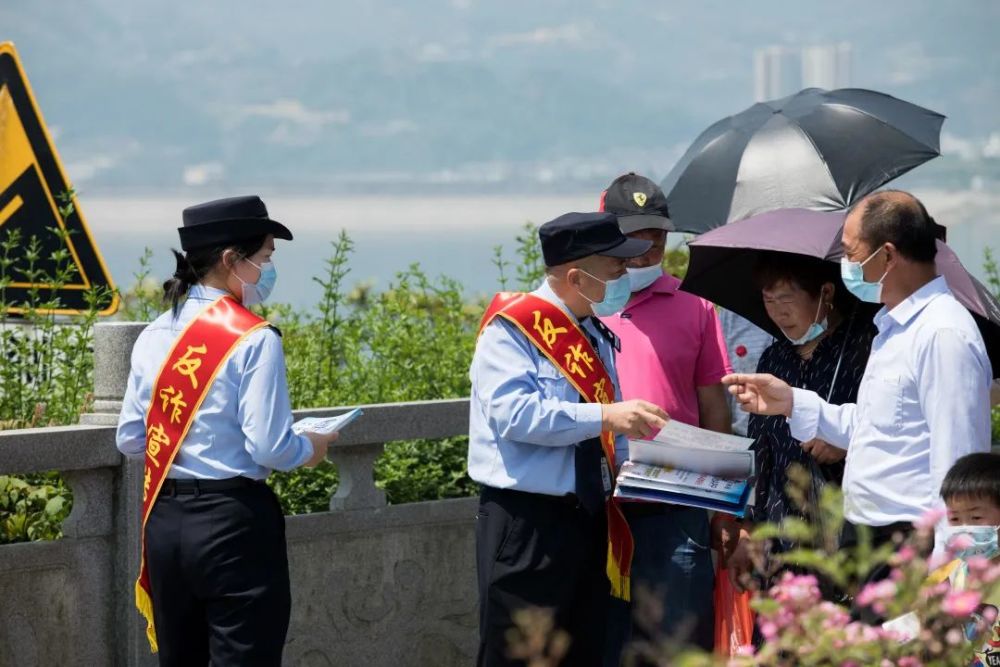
923 403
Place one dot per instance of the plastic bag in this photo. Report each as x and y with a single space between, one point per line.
733 617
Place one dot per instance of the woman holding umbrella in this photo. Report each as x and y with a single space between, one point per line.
824 347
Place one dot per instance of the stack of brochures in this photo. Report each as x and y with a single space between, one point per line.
686 465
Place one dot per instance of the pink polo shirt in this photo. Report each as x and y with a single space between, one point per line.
671 344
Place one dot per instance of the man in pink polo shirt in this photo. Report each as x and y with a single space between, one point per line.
672 354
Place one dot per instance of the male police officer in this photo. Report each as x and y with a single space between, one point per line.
543 423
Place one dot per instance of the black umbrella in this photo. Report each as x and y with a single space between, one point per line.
817 149
722 262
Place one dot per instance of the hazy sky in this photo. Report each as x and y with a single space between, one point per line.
460 94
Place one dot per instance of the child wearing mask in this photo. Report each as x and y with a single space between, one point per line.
971 492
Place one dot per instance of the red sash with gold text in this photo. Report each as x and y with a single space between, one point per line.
182 384
560 339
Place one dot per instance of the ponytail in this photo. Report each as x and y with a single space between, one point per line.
177 286
193 266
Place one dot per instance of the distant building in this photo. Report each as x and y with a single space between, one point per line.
777 72
783 70
826 66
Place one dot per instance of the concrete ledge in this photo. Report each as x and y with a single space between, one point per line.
58 448
431 513
386 422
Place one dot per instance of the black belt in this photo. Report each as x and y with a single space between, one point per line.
492 493
195 486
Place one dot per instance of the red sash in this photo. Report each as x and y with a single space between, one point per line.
560 339
182 384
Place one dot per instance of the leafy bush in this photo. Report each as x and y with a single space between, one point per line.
802 630
32 507
791 611
412 341
46 372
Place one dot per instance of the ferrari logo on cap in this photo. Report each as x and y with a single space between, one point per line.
639 198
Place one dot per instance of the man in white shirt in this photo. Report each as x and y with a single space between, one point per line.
924 398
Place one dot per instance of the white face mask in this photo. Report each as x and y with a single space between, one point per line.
640 279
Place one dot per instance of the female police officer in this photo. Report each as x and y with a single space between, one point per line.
207 405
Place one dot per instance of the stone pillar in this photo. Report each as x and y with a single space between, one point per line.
113 342
356 469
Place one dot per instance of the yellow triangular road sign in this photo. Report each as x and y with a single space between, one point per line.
32 180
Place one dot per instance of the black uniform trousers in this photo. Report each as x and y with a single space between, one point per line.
534 550
218 571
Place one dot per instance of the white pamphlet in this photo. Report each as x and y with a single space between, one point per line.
326 425
686 447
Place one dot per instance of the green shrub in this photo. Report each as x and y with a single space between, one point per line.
412 341
32 507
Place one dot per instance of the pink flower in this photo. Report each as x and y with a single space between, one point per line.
990 614
834 616
905 554
879 591
935 590
959 542
909 661
862 633
746 651
978 564
938 559
795 593
769 630
960 603
929 519
954 637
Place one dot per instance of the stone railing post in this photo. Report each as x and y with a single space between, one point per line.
359 446
356 470
113 342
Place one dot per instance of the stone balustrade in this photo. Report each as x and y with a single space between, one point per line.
372 584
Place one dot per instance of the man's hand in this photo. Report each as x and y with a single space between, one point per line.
725 534
823 452
760 393
635 418
740 564
320 443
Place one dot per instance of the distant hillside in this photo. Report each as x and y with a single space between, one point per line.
450 96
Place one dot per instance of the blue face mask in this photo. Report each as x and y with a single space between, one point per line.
984 541
816 329
254 293
616 295
853 275
640 279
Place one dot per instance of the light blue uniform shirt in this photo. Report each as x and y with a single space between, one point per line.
924 402
243 427
525 418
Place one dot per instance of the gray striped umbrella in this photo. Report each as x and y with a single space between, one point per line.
817 149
